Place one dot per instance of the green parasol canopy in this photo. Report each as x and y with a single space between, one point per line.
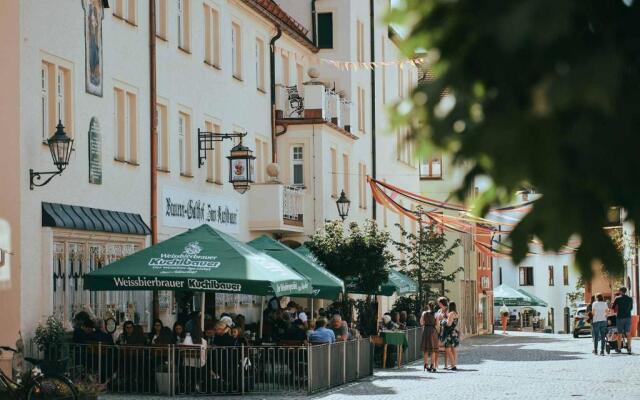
398 283
325 285
509 296
201 259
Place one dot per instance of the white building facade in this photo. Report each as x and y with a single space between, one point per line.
91 70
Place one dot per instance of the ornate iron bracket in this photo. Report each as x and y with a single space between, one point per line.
37 177
206 140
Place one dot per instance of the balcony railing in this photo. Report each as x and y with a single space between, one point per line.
313 101
283 214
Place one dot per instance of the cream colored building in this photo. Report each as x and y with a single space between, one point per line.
89 68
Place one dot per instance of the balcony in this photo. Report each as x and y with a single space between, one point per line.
276 208
313 104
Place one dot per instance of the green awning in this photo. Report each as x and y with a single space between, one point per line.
92 219
325 285
201 259
509 296
398 283
535 301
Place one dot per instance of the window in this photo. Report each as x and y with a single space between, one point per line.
325 30
260 64
484 282
362 185
500 275
126 10
526 276
55 98
163 137
285 69
214 162
404 147
236 51
360 41
300 77
211 36
361 110
126 125
565 275
431 167
74 257
161 19
345 174
184 27
297 165
184 143
262 157
551 280
334 173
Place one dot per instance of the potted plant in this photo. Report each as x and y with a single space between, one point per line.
49 337
89 388
163 378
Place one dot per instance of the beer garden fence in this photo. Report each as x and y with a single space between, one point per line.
189 370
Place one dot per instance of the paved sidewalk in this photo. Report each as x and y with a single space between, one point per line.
516 366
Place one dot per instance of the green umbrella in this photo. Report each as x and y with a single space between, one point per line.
397 283
535 301
509 296
325 285
202 259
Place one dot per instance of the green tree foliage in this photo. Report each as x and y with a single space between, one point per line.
541 93
425 255
359 253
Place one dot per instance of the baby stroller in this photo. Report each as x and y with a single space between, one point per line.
611 342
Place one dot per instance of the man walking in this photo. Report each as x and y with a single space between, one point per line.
622 305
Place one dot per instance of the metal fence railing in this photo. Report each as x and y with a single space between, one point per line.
191 370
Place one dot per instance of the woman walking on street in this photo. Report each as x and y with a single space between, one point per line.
504 318
599 310
430 341
451 337
441 316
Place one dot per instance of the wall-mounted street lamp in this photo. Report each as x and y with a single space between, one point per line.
343 204
61 146
240 159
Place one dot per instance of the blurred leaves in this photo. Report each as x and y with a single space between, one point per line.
546 94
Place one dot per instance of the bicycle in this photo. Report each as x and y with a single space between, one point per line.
38 385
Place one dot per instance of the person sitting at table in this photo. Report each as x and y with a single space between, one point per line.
395 317
296 332
178 333
387 323
238 337
321 334
403 320
412 321
127 333
209 332
155 332
223 336
339 328
100 335
239 321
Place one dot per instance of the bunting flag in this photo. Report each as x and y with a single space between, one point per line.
465 222
357 65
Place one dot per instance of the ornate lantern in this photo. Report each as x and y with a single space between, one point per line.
343 204
60 146
241 172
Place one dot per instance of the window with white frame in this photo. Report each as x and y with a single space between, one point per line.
262 158
55 98
126 10
345 174
184 143
361 110
76 255
161 19
236 51
162 137
360 41
362 185
404 147
334 173
297 165
300 77
184 25
211 36
126 124
431 167
214 162
285 69
260 64
526 276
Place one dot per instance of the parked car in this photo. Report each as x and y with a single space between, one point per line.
580 323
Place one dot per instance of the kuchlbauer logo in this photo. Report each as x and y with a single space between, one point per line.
188 262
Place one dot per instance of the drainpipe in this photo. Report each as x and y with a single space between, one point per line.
272 77
314 34
153 145
373 101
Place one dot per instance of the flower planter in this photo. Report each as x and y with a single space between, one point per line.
163 382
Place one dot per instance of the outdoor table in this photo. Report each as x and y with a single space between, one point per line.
398 339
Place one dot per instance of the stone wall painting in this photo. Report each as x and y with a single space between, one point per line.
93 16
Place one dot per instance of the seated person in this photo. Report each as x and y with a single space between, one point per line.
223 336
387 323
296 332
339 328
412 322
321 334
238 336
86 333
209 332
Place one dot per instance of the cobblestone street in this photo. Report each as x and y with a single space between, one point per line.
516 366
